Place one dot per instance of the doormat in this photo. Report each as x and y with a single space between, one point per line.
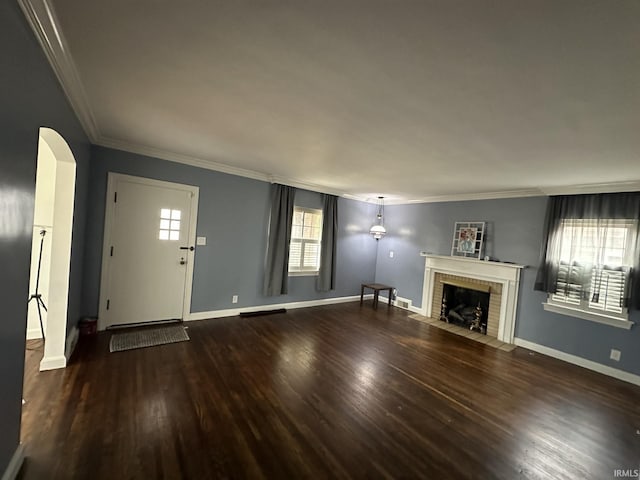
147 338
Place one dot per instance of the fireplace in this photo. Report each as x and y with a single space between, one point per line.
500 281
491 310
466 305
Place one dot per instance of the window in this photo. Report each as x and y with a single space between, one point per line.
595 261
306 233
169 224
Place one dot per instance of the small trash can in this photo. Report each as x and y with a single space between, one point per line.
88 326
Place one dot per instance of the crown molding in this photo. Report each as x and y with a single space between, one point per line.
217 167
41 16
310 186
180 158
531 192
611 187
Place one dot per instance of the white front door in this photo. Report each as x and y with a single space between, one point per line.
148 250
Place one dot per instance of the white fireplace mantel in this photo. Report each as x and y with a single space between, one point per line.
507 274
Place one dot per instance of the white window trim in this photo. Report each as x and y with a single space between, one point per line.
302 271
583 310
612 321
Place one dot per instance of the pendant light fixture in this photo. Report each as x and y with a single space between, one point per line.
377 229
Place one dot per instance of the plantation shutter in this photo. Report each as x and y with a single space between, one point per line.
570 283
311 255
608 288
295 253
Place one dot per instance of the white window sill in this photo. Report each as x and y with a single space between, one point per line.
591 316
303 274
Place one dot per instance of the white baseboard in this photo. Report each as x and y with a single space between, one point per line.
51 363
72 341
15 464
581 362
34 334
232 312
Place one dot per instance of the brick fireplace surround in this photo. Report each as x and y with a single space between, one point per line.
503 280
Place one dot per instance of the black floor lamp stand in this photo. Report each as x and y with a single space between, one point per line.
37 296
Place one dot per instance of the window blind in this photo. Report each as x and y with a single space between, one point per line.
306 233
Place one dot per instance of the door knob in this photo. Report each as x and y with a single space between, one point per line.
191 248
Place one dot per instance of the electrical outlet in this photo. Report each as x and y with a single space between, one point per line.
390 253
615 355
234 299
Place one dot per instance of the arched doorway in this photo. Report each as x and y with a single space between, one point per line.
53 213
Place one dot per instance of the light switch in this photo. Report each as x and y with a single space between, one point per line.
390 253
201 240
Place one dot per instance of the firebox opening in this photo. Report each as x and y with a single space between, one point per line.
465 307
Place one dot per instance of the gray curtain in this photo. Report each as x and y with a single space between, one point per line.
574 277
276 274
327 275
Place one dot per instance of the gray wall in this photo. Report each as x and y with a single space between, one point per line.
514 233
30 97
233 214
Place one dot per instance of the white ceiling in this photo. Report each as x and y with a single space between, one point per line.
408 99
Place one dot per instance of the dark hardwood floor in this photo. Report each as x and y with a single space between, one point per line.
328 392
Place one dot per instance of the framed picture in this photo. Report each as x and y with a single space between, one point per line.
468 238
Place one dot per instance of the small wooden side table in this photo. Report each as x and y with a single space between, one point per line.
376 287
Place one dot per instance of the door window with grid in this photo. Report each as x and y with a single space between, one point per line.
306 233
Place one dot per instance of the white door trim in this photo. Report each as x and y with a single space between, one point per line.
112 182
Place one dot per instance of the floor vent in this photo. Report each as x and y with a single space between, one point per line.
403 303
